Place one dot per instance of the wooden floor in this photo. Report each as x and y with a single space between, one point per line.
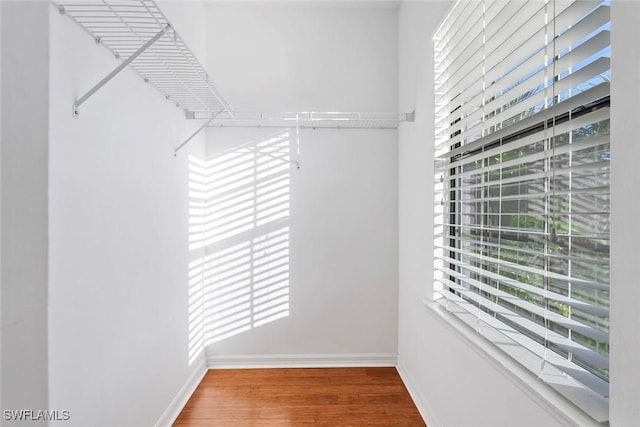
322 397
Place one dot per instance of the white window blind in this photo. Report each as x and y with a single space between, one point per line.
522 184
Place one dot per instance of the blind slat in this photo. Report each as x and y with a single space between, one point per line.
525 305
517 342
509 248
528 55
583 98
573 347
575 281
591 142
495 76
590 118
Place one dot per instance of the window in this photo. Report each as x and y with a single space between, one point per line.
522 185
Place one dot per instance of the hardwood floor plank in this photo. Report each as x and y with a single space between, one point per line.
319 397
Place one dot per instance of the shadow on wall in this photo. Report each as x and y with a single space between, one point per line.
239 240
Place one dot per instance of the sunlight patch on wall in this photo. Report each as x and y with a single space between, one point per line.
247 285
239 235
195 283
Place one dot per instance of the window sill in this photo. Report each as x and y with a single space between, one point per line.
544 395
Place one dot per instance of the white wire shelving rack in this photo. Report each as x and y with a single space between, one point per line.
138 33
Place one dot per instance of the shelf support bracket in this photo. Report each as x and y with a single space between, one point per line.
193 135
411 117
297 162
78 102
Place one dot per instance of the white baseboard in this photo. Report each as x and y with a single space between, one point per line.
180 400
427 413
301 361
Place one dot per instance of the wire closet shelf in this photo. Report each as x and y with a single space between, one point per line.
141 36
138 33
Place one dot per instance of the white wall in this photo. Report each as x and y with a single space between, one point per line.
625 182
25 87
286 56
279 56
1 50
118 345
452 384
